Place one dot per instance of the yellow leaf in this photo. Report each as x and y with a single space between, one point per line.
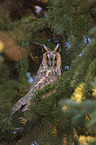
23 120
1 46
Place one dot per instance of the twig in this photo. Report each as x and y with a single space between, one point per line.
32 56
38 131
37 43
22 72
26 26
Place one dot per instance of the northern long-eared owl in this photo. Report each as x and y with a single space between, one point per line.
48 72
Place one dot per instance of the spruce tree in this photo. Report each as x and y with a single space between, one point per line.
68 114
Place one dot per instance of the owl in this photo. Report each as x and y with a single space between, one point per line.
48 72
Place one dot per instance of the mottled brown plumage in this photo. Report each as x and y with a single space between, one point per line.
49 70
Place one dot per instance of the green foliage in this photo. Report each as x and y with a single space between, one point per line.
60 121
6 24
83 73
11 90
69 17
7 93
86 64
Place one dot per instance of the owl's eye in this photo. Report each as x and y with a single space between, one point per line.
48 57
54 56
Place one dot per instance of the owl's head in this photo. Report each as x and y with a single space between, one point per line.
51 58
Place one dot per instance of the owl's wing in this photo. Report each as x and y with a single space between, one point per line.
44 77
24 100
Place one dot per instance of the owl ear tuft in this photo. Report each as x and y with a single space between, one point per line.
57 48
44 48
